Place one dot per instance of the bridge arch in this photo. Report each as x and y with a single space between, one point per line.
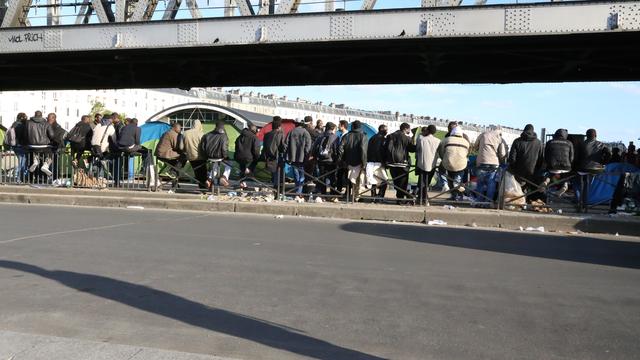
188 112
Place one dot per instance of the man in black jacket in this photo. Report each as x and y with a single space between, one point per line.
559 154
526 158
593 155
80 138
325 151
215 146
376 159
247 150
353 153
59 135
399 145
40 136
128 143
272 149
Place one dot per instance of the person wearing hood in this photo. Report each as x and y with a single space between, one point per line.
376 172
215 147
247 150
526 156
80 139
352 152
398 146
559 156
454 152
297 151
192 139
40 136
492 152
426 159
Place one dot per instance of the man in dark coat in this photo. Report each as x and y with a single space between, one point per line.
215 146
526 156
353 153
399 145
376 162
297 151
559 156
247 150
325 151
593 155
272 150
80 138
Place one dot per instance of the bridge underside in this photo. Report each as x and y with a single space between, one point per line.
610 56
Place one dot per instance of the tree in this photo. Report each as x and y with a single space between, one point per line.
96 107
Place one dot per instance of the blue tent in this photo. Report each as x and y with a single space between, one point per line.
603 186
368 130
153 131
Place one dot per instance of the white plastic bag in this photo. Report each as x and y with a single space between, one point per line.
513 194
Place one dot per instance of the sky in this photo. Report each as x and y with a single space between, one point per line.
611 108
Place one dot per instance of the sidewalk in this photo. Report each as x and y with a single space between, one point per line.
19 346
484 218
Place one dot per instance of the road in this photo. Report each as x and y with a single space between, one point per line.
259 287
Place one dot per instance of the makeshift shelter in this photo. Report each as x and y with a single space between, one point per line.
603 186
287 126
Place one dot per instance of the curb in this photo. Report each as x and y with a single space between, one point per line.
456 217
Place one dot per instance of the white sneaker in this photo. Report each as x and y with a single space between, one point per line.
34 166
45 169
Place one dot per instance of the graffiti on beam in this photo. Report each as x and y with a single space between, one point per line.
27 37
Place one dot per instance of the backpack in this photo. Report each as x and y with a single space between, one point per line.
75 136
10 138
323 151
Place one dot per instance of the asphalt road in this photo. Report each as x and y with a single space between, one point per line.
257 287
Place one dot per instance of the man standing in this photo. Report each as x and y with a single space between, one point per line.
247 150
492 152
353 152
426 159
170 151
272 149
399 145
341 174
376 173
18 143
192 139
320 129
40 137
454 151
526 158
97 119
102 133
325 152
297 150
215 147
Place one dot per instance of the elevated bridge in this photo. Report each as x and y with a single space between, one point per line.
124 44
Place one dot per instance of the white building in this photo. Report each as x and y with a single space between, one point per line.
144 103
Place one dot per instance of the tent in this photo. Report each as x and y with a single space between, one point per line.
603 186
369 130
287 126
151 132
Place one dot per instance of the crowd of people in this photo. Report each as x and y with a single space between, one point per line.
338 161
37 142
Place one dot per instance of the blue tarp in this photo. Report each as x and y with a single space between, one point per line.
153 131
603 186
368 130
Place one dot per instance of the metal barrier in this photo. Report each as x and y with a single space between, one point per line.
580 183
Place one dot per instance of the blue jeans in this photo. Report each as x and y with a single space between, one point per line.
21 171
487 181
455 180
298 176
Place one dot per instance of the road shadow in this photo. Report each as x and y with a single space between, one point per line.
581 249
190 312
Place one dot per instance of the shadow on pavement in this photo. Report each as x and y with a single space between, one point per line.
193 313
569 248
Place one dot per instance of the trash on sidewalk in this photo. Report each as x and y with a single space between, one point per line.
278 217
319 200
449 207
436 222
135 207
530 228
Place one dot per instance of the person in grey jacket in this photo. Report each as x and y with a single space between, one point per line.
426 159
297 148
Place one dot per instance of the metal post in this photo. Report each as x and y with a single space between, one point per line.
53 12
